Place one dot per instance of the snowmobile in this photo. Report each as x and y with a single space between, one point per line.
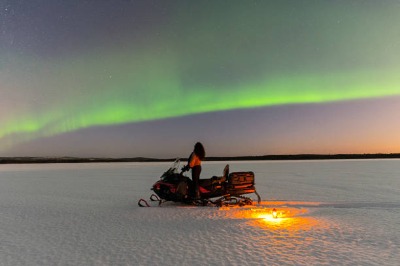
227 189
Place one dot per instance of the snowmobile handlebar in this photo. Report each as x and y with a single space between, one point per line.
185 168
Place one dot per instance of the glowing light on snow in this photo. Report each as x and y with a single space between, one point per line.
273 216
274 213
287 218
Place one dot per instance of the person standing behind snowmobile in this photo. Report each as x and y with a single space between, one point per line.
194 163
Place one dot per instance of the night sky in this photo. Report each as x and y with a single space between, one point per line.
150 78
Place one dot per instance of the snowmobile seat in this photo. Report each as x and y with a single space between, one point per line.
223 178
215 181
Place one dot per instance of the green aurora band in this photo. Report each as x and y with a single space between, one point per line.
202 58
155 91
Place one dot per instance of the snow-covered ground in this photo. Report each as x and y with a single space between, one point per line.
331 212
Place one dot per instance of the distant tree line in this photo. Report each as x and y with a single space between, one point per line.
28 160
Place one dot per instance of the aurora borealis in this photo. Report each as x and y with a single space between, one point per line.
80 69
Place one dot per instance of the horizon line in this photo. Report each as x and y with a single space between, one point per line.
275 157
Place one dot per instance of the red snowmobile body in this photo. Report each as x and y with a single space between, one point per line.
217 190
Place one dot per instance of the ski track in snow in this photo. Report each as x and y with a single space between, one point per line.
88 215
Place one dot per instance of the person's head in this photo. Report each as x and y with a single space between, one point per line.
199 150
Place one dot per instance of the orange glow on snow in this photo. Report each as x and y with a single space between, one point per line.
290 216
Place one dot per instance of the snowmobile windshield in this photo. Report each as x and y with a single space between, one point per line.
174 167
